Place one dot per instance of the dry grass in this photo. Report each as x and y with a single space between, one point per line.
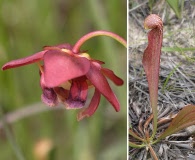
177 74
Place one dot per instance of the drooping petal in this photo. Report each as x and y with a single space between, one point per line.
24 61
49 97
97 61
77 95
110 74
60 67
89 111
100 82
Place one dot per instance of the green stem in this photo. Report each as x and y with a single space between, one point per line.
131 144
157 140
154 121
90 35
135 136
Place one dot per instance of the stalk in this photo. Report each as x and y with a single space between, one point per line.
90 35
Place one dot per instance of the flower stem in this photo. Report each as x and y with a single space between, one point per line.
97 33
133 145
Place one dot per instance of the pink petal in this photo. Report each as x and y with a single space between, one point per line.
89 111
77 95
110 74
60 67
100 82
97 61
24 61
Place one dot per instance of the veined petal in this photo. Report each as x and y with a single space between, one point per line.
110 74
60 67
24 61
89 111
100 82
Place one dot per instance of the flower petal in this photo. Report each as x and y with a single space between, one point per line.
49 97
97 61
100 82
89 111
24 61
77 95
110 74
60 67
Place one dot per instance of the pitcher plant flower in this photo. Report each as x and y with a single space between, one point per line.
148 131
66 74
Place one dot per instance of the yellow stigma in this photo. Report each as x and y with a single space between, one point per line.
86 55
66 85
66 50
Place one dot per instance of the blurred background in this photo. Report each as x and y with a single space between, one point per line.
28 130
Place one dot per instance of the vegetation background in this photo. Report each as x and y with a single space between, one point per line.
177 73
25 27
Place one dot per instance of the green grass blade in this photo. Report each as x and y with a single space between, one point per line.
174 4
169 76
180 50
177 49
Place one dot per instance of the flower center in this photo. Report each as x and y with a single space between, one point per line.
86 55
66 51
66 85
83 54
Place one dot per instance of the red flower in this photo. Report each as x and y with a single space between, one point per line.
66 76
